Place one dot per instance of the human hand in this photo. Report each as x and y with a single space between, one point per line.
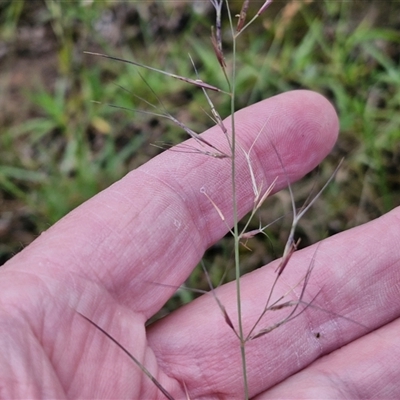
104 258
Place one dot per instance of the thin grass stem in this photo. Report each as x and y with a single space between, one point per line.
235 211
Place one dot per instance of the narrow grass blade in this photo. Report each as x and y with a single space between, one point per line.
134 359
196 82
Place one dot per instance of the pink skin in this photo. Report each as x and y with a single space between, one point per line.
106 257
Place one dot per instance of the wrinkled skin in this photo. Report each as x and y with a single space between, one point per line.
107 258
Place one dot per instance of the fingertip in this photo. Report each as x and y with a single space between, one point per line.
302 126
319 109
315 125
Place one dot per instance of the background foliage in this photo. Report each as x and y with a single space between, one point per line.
59 148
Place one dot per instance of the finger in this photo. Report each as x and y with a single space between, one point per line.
364 369
355 287
154 224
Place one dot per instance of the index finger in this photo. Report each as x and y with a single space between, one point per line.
155 224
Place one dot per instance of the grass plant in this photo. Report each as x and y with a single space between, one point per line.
261 191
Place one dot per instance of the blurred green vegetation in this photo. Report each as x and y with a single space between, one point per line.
58 147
